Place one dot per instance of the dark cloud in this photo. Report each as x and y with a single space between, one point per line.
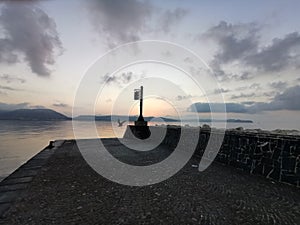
280 85
119 79
240 42
28 31
243 95
9 79
170 18
217 107
236 41
60 105
120 21
280 54
223 76
183 97
7 88
241 77
288 100
221 90
269 94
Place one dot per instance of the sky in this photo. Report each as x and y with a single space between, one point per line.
251 48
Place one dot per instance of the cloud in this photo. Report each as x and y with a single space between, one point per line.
10 107
243 76
23 105
7 88
288 100
280 85
60 105
243 95
270 94
241 43
28 31
170 18
236 41
254 86
183 97
120 21
9 79
277 56
221 90
119 79
37 107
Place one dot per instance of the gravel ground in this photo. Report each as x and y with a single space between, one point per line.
68 191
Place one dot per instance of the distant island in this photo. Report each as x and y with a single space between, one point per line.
51 115
228 121
122 117
33 115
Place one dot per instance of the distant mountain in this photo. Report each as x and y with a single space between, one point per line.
152 118
219 120
239 121
49 114
32 114
121 117
228 121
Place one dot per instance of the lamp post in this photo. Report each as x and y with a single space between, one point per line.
141 118
140 128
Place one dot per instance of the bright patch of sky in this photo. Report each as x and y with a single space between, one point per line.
252 46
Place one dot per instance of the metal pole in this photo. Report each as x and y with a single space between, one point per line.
141 102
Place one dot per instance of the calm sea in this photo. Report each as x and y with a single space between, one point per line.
20 140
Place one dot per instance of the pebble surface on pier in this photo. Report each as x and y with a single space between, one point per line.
66 190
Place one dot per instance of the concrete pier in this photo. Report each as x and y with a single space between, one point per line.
64 189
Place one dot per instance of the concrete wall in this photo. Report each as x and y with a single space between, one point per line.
270 155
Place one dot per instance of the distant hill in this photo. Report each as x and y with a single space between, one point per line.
154 119
32 114
51 115
228 121
121 117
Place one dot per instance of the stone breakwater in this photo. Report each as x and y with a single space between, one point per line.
273 156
